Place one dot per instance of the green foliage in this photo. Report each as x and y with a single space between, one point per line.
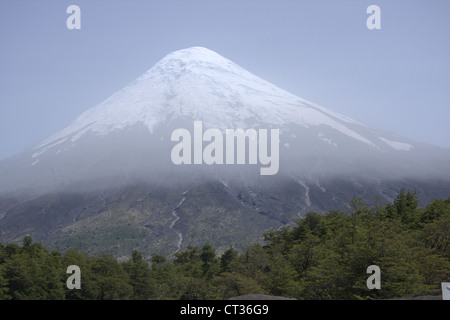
235 284
113 282
322 256
30 272
140 277
227 257
158 259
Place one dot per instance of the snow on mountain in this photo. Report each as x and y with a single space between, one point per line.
131 129
200 83
397 145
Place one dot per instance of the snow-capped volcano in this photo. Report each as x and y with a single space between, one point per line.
89 176
128 134
200 84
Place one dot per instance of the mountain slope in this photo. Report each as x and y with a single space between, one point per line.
98 182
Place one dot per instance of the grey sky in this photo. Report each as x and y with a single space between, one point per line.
396 78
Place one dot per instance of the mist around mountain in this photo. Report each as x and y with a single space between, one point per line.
108 182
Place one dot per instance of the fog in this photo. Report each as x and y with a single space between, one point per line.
136 155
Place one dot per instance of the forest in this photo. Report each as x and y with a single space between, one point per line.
322 256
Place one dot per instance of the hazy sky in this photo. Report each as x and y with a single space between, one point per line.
396 78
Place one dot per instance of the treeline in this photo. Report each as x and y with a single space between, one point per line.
324 256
